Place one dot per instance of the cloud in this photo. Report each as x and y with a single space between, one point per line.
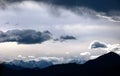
77 6
64 38
113 47
104 46
54 60
97 44
94 57
42 62
20 56
67 53
85 53
31 56
25 36
70 4
60 21
110 18
68 37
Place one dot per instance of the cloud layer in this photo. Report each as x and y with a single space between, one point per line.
43 62
70 4
25 36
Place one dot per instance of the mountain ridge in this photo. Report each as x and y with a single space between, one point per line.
105 65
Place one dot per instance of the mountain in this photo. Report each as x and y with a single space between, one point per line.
105 65
28 64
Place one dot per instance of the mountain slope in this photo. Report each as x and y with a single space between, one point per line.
106 65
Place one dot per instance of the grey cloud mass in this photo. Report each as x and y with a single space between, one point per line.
97 44
25 36
110 8
67 37
98 5
104 46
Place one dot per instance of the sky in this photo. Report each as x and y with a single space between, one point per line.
58 28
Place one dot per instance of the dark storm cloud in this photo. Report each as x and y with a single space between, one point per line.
98 5
25 36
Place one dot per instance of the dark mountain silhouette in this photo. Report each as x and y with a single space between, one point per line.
105 65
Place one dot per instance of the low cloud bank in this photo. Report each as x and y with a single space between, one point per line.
43 62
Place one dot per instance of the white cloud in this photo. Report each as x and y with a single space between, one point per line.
113 47
67 53
85 53
54 60
109 18
31 56
20 56
43 62
94 57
